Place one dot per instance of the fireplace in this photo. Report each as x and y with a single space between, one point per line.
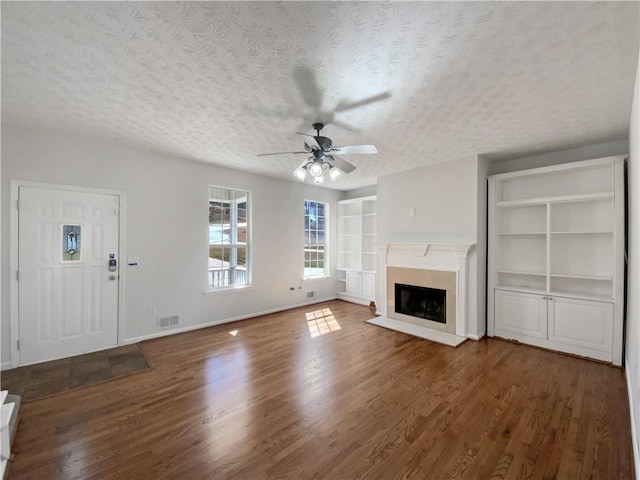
422 281
436 267
421 302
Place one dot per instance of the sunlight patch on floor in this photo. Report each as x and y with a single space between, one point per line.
321 322
233 333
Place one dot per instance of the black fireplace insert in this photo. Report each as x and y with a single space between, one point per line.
421 302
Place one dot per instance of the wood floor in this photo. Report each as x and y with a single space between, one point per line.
317 393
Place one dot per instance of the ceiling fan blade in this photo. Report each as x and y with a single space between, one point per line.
361 103
306 81
340 163
354 149
324 143
277 153
312 143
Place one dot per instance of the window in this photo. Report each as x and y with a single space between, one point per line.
315 246
228 238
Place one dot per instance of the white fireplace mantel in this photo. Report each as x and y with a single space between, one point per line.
451 257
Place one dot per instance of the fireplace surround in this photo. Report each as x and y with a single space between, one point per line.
439 266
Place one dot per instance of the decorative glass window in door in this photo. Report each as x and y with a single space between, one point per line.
71 243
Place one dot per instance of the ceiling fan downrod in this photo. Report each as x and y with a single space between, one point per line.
317 127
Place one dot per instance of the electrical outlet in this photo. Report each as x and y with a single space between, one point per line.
310 294
152 311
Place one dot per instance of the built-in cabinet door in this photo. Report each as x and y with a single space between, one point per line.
353 284
520 314
368 285
581 323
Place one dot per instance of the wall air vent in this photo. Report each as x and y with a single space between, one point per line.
168 322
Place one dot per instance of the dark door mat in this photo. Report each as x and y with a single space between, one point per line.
43 379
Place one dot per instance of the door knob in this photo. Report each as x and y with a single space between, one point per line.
112 277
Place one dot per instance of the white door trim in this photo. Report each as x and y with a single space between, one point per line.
13 256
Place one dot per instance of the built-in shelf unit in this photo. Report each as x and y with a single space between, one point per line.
356 250
556 257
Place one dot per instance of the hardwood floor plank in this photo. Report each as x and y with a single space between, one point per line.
264 399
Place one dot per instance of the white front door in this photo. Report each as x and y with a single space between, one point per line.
67 291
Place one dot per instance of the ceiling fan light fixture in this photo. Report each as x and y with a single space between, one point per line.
300 173
315 169
319 179
335 174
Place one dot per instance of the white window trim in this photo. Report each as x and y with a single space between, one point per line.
249 260
327 270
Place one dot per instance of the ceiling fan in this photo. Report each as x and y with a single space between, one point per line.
323 157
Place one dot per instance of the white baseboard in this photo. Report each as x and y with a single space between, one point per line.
634 434
349 298
474 337
190 328
6 365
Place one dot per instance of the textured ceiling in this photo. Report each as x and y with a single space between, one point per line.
220 82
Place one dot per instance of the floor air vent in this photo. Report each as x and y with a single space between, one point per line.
168 322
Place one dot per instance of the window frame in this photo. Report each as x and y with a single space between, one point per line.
325 245
233 228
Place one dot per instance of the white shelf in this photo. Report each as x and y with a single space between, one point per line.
521 288
356 235
555 293
517 272
586 232
583 277
559 199
558 231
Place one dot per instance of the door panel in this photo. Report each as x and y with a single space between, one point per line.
581 323
68 304
353 284
368 286
520 313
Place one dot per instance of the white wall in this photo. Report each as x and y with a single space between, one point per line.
445 197
632 352
599 150
360 192
166 226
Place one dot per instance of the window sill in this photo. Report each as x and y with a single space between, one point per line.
213 291
317 277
